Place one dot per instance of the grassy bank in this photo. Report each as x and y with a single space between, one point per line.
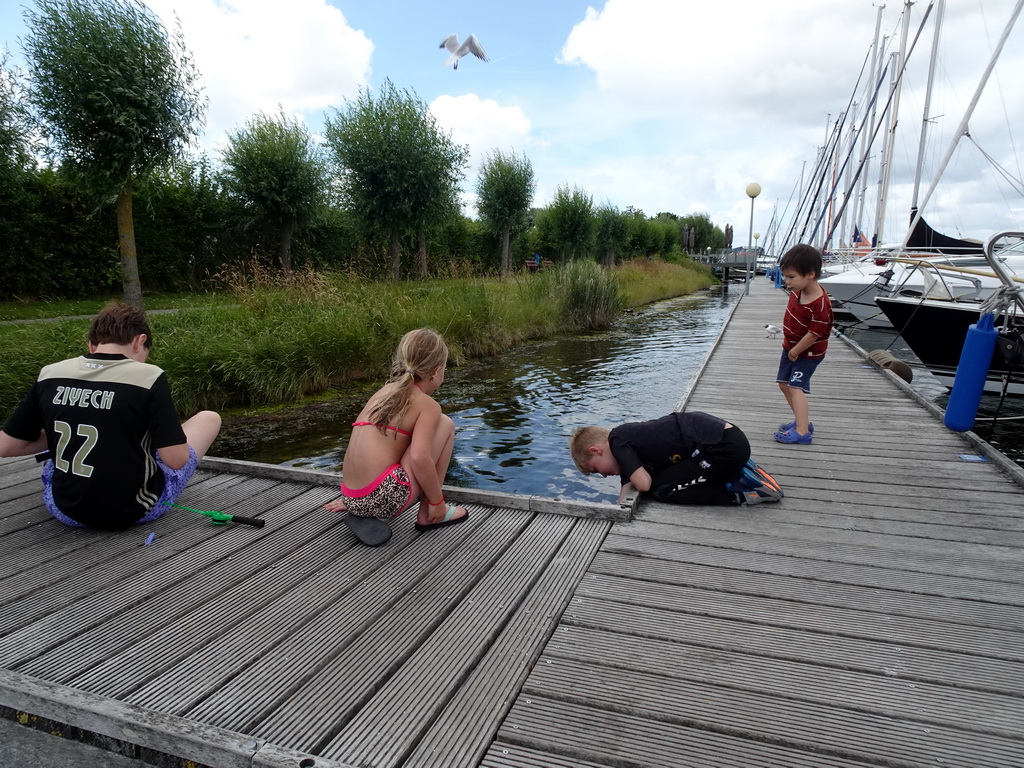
276 343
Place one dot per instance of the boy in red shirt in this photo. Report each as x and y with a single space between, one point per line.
806 329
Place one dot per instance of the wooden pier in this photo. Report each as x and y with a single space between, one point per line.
874 617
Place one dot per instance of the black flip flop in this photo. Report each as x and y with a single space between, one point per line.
370 530
448 520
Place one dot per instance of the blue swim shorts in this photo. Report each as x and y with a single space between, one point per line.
175 481
797 374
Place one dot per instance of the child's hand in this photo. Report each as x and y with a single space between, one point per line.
624 491
338 505
792 358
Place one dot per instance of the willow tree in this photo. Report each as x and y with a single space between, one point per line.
612 233
118 96
570 222
504 191
273 166
15 124
397 169
18 199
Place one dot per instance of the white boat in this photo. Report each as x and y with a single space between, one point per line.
854 292
935 328
854 286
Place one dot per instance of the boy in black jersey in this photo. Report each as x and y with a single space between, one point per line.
116 452
681 458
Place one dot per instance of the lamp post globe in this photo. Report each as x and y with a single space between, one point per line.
753 190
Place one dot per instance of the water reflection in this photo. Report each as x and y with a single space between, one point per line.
513 414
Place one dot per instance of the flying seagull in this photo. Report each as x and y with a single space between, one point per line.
472 45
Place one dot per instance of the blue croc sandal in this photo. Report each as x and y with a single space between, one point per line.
792 425
792 436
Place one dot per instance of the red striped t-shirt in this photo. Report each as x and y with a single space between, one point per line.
815 317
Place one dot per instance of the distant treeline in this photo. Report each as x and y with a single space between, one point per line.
59 242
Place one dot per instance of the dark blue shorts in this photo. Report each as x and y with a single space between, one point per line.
797 374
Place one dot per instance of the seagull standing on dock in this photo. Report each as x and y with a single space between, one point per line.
472 45
773 330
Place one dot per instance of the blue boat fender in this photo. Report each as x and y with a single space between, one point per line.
969 383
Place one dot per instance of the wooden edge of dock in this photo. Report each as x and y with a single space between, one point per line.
1012 470
57 709
541 504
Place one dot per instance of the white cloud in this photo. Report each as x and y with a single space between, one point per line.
482 124
680 56
256 54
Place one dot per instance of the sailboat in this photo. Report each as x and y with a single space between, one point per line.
855 285
935 327
899 268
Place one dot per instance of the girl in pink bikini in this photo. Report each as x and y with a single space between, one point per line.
401 442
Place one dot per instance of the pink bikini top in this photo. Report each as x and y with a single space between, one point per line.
371 424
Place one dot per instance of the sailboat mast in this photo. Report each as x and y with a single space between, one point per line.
848 184
961 129
890 145
882 156
940 8
826 243
892 93
865 144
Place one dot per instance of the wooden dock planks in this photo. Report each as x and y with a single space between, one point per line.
873 617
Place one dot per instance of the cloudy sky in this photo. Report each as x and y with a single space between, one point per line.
664 105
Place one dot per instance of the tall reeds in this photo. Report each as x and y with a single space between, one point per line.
643 281
587 295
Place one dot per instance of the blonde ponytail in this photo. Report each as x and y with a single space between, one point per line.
419 354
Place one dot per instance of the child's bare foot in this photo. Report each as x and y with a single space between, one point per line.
338 505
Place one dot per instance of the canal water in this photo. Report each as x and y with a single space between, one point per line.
514 413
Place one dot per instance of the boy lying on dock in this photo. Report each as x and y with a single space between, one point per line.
116 455
682 458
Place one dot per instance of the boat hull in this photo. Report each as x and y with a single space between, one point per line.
936 330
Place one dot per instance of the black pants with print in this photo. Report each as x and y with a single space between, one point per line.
701 479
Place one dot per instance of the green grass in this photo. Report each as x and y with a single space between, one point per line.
269 341
643 281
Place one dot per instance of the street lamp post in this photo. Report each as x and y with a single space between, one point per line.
757 236
753 190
